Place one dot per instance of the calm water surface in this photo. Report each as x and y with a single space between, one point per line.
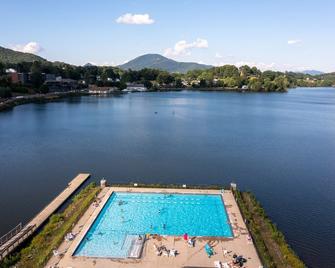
280 146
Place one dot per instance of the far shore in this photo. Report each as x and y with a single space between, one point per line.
6 104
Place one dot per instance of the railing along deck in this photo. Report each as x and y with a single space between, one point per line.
18 234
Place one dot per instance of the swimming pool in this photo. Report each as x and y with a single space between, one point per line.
127 215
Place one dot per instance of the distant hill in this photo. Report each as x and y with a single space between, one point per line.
11 56
156 61
88 65
312 72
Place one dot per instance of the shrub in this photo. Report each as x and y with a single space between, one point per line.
5 92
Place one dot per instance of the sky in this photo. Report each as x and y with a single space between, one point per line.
279 35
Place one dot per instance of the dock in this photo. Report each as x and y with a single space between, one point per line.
11 242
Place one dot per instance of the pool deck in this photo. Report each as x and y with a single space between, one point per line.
188 257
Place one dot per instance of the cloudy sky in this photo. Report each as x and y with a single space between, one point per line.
280 35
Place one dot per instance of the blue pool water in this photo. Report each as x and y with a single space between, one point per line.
127 214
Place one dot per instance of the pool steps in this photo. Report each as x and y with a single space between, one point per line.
136 247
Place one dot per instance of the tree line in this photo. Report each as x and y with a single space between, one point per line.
229 77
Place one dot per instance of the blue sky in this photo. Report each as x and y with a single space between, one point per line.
282 35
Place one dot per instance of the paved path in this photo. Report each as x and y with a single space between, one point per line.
59 200
45 213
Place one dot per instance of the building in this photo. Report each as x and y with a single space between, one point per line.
50 77
95 90
185 83
22 78
195 82
135 87
62 85
14 77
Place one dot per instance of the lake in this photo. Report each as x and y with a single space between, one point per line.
281 146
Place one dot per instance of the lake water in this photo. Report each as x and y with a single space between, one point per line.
280 146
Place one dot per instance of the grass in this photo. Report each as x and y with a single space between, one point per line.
39 251
270 243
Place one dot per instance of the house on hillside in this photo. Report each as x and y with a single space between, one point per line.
50 77
185 83
16 77
62 85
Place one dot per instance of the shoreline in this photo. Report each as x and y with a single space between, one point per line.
37 98
8 104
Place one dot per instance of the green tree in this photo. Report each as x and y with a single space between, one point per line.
228 71
245 71
43 89
281 83
5 81
121 85
203 83
179 83
232 82
108 73
2 69
268 85
255 84
36 79
5 92
147 84
164 78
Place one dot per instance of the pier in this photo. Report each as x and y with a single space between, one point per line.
14 238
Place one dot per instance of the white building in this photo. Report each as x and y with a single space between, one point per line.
135 87
94 90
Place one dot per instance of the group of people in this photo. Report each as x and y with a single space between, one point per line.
162 250
237 261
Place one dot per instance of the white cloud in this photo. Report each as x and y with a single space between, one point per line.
184 48
218 55
104 63
260 65
129 18
266 66
294 42
108 63
31 47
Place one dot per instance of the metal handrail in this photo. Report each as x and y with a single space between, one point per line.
10 234
22 235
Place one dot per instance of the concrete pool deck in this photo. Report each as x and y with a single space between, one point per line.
188 257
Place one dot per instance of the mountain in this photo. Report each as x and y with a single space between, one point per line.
88 65
11 56
312 72
156 61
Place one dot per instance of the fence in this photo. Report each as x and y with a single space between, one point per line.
10 234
